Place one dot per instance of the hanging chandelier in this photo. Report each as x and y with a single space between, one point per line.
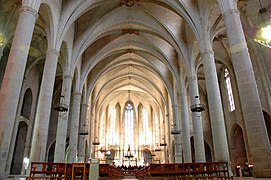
62 107
263 28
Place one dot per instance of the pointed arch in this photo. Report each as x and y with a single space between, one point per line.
16 165
238 148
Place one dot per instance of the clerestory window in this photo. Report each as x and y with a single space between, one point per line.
229 90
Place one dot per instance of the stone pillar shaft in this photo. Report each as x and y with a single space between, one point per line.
185 124
197 122
177 137
40 134
1 51
13 78
74 130
63 118
258 141
221 150
83 128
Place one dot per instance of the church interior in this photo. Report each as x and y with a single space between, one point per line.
135 83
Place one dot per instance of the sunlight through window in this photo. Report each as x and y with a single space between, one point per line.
129 127
229 90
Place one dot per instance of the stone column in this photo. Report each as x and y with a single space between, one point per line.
74 130
1 51
170 157
63 118
13 78
185 126
177 137
95 133
258 141
15 127
39 141
197 121
83 128
221 149
176 125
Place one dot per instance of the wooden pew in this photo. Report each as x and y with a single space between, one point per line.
204 170
46 170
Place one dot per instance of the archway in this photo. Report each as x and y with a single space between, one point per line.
238 152
27 103
3 63
18 155
207 148
267 119
192 148
208 152
51 151
147 156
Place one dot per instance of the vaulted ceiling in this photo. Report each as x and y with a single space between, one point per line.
136 49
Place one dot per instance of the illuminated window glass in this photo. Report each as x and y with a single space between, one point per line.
129 126
102 129
145 124
112 127
156 129
229 90
146 131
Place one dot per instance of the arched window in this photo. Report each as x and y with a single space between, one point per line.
157 128
129 126
147 134
102 137
27 103
112 135
229 90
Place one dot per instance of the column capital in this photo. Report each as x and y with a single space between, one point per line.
193 77
230 11
175 105
53 51
30 10
207 52
77 94
177 144
84 104
69 77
